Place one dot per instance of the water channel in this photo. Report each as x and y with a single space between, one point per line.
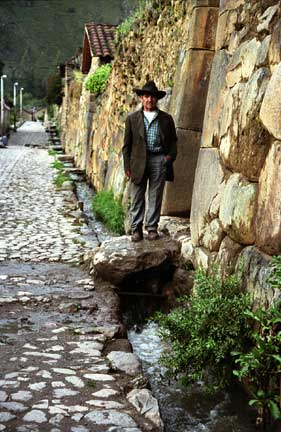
182 409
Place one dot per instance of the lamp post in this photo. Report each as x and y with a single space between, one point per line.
21 90
2 103
15 104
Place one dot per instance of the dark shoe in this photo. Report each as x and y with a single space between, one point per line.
136 236
153 235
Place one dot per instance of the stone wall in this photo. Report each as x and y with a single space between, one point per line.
236 205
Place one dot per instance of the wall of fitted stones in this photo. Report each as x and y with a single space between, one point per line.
236 206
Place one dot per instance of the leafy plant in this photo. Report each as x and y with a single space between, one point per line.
109 209
60 179
124 28
96 82
260 366
57 165
274 278
52 152
204 330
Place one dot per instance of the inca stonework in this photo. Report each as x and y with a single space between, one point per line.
220 62
239 197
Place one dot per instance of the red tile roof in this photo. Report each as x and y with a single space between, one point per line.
101 39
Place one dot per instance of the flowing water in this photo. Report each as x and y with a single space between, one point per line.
189 410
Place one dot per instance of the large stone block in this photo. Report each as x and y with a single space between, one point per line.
213 236
225 28
243 62
230 4
228 255
215 98
178 194
237 209
255 267
208 177
270 112
266 18
202 3
190 89
244 142
119 259
202 28
275 45
268 221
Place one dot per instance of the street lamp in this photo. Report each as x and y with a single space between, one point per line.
21 90
2 103
15 104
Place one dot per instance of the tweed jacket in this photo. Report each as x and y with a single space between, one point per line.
135 150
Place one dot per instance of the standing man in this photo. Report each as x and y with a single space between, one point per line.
149 150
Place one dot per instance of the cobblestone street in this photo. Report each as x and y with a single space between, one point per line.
54 321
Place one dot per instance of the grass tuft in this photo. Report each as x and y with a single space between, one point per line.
109 209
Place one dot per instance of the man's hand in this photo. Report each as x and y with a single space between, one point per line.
128 174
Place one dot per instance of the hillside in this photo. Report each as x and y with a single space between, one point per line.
36 35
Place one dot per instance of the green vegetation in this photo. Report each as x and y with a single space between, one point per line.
96 82
125 27
57 164
203 334
61 177
260 366
91 383
109 209
204 330
52 152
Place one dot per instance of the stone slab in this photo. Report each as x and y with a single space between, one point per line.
268 221
208 177
270 112
202 28
119 258
238 208
255 274
215 98
190 89
178 194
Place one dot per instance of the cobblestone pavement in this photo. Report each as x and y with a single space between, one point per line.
54 321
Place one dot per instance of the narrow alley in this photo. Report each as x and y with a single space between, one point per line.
54 322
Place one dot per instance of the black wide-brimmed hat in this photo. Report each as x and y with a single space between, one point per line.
150 88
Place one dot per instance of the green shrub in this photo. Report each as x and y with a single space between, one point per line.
60 179
96 82
57 164
204 330
109 210
124 28
261 365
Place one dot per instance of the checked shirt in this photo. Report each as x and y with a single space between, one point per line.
153 141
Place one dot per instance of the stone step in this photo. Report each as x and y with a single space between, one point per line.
74 170
56 147
66 158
